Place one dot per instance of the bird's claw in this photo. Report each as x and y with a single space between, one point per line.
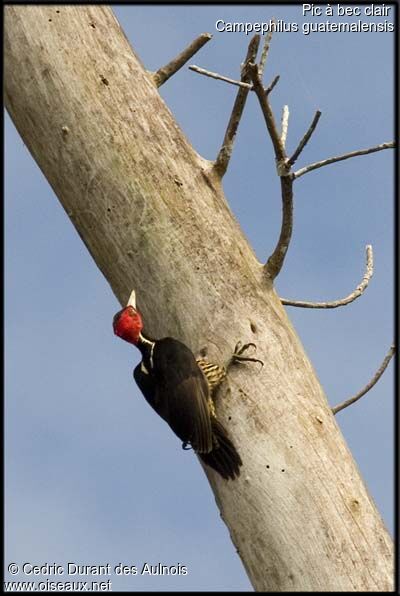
237 354
239 348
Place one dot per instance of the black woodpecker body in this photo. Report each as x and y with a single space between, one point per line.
179 389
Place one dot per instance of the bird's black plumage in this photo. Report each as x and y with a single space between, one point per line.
176 388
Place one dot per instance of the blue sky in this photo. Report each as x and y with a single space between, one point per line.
92 474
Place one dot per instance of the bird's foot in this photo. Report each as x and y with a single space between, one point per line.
237 356
186 445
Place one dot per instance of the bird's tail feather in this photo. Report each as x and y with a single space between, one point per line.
223 458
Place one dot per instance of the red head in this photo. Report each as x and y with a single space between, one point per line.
128 323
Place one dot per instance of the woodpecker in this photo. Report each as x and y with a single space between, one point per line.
180 389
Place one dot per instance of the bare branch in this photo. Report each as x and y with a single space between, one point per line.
272 85
219 77
369 269
279 149
164 73
369 386
305 139
215 75
275 261
224 155
325 162
284 124
265 51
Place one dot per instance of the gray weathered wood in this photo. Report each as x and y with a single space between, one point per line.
153 215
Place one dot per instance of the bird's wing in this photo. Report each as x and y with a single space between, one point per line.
188 413
182 394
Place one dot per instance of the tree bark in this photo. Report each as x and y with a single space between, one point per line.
152 213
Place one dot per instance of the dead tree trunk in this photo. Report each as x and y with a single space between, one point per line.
152 213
